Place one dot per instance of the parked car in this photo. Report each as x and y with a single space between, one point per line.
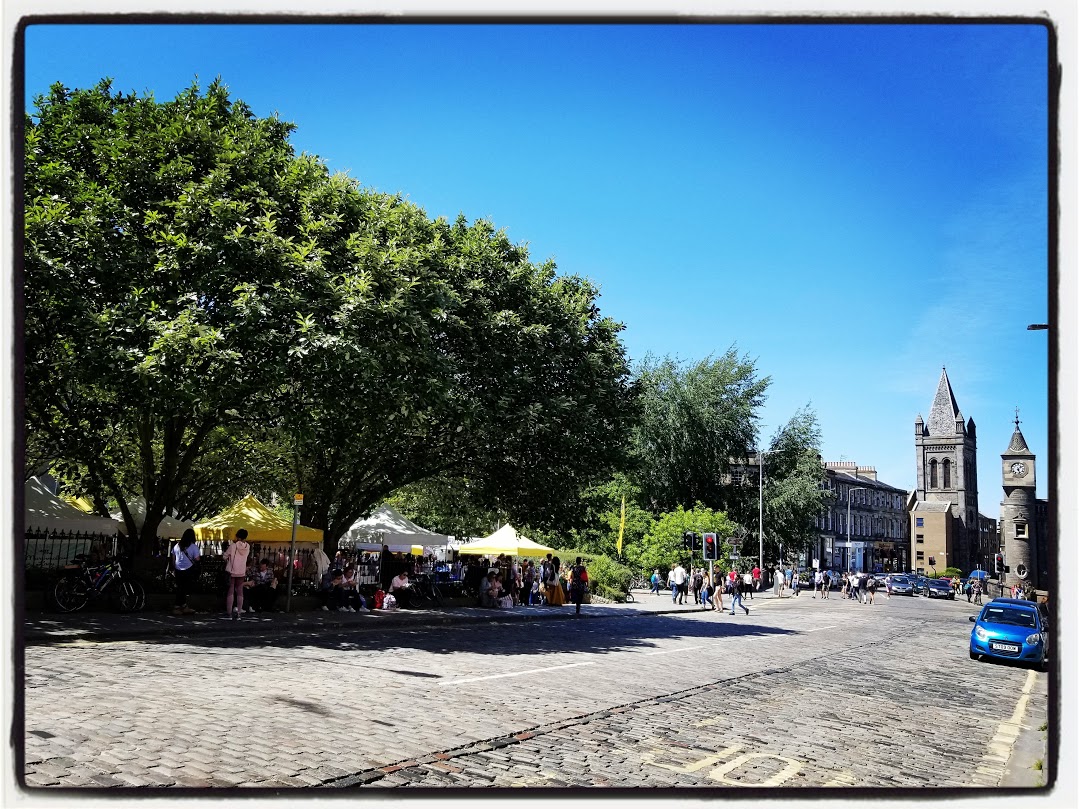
936 588
1010 629
902 585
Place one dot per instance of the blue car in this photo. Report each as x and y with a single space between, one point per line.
1010 629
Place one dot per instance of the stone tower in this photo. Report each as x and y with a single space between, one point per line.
947 461
1017 517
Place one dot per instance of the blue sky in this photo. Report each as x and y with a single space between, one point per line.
853 206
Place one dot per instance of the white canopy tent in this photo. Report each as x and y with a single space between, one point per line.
387 527
168 528
44 511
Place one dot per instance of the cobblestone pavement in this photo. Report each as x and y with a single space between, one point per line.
800 693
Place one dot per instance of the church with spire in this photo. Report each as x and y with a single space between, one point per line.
946 526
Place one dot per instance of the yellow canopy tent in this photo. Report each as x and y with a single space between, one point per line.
505 540
81 503
261 523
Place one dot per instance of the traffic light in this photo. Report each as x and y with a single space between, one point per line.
687 540
998 564
710 554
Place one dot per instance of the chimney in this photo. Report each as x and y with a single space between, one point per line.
869 472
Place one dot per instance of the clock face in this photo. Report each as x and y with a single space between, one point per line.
1019 468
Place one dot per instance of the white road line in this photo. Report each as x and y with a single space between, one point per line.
819 628
671 651
513 674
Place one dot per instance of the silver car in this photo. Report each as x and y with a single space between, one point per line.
902 586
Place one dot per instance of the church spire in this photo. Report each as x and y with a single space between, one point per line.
944 410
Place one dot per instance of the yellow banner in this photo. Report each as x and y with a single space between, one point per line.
622 525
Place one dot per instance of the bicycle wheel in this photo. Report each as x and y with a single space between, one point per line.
629 598
130 596
436 595
71 594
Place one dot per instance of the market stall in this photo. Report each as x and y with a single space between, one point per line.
505 540
56 531
386 527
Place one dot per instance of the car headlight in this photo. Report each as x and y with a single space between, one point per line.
1034 640
981 633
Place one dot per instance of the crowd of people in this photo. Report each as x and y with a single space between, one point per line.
509 582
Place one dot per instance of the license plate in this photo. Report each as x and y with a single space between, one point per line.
1004 647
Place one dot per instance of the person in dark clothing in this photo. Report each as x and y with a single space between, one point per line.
578 584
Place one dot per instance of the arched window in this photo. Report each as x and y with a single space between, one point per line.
933 474
947 473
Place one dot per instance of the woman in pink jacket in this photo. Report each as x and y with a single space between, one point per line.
236 566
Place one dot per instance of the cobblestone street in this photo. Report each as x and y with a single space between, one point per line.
799 693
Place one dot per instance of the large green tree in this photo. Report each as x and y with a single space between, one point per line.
695 420
437 348
794 494
165 253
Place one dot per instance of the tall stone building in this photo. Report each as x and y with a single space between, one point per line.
944 516
1019 523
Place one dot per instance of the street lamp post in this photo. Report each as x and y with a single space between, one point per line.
851 491
760 453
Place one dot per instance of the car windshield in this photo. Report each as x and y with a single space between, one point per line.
1015 616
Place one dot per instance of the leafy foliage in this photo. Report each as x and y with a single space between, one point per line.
662 547
794 493
161 276
209 314
694 421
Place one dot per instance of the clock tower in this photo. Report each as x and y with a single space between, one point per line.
1017 510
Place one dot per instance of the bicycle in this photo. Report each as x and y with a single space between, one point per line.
82 583
425 593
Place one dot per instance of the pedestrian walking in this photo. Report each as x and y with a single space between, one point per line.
777 582
756 578
672 586
888 586
736 596
679 577
656 582
718 581
976 588
706 594
185 559
870 587
747 580
236 567
827 586
578 584
698 584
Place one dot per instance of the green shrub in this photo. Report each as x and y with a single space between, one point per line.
606 577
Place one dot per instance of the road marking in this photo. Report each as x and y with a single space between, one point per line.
819 628
670 651
513 674
790 769
999 752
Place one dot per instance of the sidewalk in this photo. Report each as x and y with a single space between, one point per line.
51 627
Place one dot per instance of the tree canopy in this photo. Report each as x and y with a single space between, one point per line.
207 311
694 421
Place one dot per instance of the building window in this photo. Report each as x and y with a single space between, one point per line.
947 473
919 537
1021 530
920 555
918 522
933 474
